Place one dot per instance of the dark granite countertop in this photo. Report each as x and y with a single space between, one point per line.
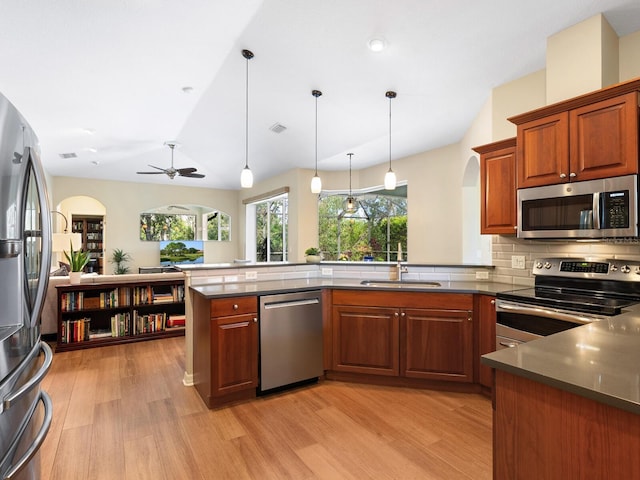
284 286
600 361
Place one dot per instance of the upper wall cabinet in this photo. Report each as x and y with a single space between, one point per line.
498 187
588 137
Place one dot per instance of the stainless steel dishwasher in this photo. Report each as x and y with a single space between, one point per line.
290 338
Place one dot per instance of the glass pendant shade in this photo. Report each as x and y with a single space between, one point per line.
350 205
246 178
316 184
390 180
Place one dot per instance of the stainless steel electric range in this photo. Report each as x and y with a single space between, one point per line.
568 292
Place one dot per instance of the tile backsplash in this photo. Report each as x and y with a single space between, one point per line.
504 248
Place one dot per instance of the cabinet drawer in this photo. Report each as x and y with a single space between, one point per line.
224 307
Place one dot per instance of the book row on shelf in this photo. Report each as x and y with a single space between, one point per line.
149 294
79 330
73 301
120 297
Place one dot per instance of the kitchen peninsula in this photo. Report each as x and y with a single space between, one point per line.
428 293
568 405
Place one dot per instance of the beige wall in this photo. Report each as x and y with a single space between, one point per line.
124 201
630 56
581 59
513 98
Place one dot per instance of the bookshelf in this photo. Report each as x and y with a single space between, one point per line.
91 227
98 314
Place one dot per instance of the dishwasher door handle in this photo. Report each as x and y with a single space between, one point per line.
294 303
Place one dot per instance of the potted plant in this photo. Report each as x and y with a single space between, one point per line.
77 261
120 257
313 255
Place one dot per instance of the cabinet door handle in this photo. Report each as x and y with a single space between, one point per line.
235 306
563 175
572 175
395 314
402 314
255 320
493 302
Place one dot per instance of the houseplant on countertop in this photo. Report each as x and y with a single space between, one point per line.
77 261
313 255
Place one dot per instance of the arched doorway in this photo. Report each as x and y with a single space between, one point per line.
87 216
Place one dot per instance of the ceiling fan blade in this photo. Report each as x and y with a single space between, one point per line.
151 173
192 175
153 166
183 171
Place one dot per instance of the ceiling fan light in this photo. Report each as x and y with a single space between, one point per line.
316 184
246 178
390 180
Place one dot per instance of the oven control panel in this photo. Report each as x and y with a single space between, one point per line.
610 269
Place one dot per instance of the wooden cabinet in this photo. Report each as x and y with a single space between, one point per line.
498 187
225 348
91 228
543 432
486 336
437 344
412 335
91 315
587 140
366 340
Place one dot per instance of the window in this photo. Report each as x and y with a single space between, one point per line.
158 226
371 233
218 226
269 229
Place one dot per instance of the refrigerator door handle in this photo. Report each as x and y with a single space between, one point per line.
33 381
45 218
39 438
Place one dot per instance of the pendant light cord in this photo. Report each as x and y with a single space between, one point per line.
390 95
246 118
350 155
315 95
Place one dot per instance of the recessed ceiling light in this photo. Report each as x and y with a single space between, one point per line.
92 149
376 44
187 89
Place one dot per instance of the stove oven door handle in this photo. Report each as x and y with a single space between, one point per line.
543 312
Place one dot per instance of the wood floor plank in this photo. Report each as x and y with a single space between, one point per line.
122 412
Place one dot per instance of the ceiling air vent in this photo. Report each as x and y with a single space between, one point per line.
68 155
277 128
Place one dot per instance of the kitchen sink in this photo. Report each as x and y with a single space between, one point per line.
400 283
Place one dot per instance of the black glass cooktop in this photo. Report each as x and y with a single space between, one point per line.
570 299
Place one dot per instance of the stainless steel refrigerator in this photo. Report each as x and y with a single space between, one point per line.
25 259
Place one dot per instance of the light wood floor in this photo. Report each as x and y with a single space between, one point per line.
121 412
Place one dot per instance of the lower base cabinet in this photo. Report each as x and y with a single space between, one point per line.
225 348
425 336
543 432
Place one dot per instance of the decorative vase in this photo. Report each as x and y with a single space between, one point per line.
314 258
75 278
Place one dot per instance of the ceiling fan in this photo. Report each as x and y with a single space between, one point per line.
171 171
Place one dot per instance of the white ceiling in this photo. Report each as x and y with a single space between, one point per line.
118 67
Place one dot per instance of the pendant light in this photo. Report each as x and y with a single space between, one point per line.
350 204
390 177
316 182
246 177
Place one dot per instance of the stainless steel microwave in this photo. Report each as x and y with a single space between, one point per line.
605 208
